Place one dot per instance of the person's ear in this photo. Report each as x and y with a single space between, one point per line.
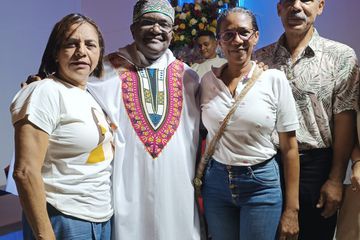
321 7
278 8
132 28
256 37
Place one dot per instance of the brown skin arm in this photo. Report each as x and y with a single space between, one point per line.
30 148
289 225
331 191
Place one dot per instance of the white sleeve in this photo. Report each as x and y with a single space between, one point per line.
287 119
39 102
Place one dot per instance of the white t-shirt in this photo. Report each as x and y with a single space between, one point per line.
204 67
268 106
77 166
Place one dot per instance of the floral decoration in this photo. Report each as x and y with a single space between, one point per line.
189 20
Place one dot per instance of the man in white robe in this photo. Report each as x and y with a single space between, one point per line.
152 99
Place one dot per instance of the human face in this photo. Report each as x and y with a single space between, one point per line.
152 34
79 54
298 16
238 50
207 46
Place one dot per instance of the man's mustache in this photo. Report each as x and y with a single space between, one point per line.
298 16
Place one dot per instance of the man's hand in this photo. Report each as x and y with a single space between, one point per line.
330 198
262 65
30 79
289 225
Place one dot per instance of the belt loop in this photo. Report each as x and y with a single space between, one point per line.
250 170
210 162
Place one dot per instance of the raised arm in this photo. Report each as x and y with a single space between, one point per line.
30 148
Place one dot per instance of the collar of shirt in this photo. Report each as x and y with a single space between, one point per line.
283 55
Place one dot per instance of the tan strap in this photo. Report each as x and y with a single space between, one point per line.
211 147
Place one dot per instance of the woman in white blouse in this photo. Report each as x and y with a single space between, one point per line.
242 191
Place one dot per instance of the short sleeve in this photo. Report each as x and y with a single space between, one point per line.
347 82
39 103
287 119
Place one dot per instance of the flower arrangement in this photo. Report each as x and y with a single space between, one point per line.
189 20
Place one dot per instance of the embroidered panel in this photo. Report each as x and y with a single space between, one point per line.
153 100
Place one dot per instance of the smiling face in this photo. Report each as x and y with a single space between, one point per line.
79 54
152 33
207 46
237 50
298 16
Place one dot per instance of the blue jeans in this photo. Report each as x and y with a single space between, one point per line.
67 227
242 202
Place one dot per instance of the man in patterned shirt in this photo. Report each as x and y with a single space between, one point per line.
324 77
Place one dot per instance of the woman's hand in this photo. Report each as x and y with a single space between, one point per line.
355 177
289 225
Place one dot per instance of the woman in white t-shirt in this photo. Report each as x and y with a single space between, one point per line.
241 191
63 140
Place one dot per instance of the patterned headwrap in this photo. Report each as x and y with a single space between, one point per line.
148 6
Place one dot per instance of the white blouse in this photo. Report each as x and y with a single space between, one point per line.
268 106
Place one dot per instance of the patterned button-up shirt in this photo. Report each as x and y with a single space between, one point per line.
324 80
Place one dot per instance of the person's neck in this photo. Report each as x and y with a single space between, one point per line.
239 71
296 43
212 57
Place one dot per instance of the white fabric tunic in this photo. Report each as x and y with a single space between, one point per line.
268 106
157 115
204 67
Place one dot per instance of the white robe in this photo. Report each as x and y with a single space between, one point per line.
153 194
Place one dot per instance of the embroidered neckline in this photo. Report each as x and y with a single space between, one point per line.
140 105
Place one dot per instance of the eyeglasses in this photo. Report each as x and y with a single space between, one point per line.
230 35
147 23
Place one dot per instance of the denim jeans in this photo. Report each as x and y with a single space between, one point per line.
242 202
67 227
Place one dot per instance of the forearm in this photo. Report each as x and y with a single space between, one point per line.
32 197
291 177
290 159
344 136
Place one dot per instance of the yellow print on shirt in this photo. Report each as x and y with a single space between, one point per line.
104 150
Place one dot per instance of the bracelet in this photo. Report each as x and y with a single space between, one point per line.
354 163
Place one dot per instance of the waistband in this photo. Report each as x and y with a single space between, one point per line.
316 151
214 163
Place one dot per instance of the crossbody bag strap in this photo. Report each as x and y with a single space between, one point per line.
211 147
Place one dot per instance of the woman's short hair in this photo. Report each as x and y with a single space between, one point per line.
57 37
226 12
